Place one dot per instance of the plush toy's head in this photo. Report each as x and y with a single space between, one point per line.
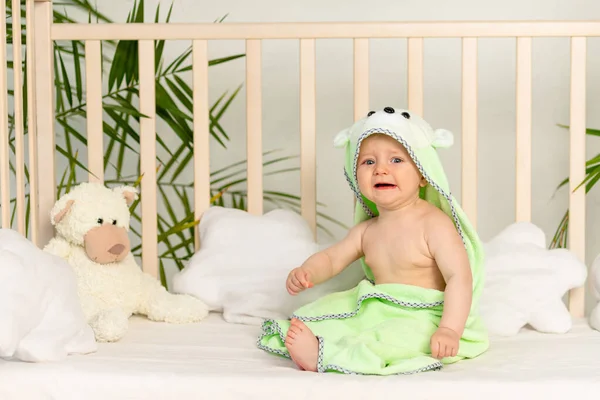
96 218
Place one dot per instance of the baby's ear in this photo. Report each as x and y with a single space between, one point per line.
443 138
128 192
60 214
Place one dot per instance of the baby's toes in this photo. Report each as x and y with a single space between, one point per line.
289 341
297 324
292 333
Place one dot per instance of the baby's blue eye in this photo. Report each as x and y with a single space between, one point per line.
369 162
396 160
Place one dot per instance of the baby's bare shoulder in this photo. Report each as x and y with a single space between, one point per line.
435 220
356 233
362 226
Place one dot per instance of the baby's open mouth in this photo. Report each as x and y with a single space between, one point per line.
384 186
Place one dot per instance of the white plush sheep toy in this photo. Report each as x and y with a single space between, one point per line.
92 224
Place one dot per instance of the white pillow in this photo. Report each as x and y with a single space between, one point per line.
595 285
243 262
41 318
525 282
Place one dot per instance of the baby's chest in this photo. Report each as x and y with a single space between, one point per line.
399 245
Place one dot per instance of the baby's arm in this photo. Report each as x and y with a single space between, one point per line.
327 263
448 250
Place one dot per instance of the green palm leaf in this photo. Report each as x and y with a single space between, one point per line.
592 176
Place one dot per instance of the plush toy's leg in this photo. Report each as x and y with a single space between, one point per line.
552 317
110 325
159 305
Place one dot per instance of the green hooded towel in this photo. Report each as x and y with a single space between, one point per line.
385 329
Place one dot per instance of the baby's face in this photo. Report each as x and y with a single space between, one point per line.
386 174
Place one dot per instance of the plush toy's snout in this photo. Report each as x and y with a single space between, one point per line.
106 244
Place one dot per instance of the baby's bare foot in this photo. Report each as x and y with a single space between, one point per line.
302 345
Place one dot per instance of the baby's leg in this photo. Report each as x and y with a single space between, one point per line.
386 348
302 345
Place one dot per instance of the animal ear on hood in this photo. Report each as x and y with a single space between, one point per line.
342 138
443 138
129 193
58 216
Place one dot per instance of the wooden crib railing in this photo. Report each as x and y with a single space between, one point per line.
41 32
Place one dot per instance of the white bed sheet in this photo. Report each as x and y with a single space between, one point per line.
218 360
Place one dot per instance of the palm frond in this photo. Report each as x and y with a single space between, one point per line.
560 238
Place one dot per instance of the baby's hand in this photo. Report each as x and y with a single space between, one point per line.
444 343
298 280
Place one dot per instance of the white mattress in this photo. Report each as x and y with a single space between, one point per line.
218 360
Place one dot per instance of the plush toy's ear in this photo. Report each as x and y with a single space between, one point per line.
342 138
61 214
128 192
443 138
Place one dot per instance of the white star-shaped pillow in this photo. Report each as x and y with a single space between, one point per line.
525 282
244 260
595 278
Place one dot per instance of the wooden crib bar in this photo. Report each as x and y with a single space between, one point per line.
149 194
16 209
44 109
41 107
308 133
329 30
32 125
4 133
415 76
95 132
577 164
523 130
361 78
18 123
469 129
201 131
254 126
